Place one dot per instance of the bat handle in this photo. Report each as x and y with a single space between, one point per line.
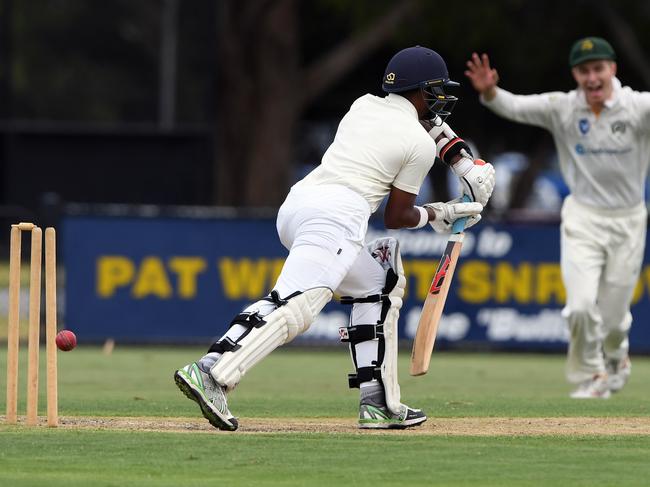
459 225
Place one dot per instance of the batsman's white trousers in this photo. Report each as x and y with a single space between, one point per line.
324 228
601 257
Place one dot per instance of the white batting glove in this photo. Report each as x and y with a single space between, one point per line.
447 213
477 179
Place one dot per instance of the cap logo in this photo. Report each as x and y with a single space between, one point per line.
586 45
390 78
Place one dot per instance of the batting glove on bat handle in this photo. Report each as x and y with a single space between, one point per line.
459 225
460 210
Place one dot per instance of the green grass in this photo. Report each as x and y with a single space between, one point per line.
298 383
163 459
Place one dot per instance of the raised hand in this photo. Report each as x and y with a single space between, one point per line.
484 78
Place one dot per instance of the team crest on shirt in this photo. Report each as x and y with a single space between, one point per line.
583 125
619 126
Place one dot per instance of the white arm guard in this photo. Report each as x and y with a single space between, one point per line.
449 145
448 213
435 127
477 177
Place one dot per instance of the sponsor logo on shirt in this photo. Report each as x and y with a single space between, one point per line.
583 125
581 150
619 126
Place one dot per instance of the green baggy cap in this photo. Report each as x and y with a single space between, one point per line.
591 48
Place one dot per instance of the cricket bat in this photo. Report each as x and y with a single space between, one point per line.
434 303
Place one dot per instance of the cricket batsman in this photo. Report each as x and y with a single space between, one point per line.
380 150
602 135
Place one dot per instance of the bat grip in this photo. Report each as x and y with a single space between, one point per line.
459 225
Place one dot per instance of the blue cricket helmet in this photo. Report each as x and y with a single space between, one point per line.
419 67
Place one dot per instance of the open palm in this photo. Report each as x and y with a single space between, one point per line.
481 74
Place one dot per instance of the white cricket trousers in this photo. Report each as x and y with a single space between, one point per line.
601 256
324 228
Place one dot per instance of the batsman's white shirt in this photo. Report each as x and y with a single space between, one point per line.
604 160
379 143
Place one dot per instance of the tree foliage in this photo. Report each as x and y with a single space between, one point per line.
257 70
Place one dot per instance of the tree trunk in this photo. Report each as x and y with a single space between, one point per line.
276 111
257 65
261 92
331 67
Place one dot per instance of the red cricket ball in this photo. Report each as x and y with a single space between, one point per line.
66 340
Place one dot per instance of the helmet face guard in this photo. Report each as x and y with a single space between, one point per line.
421 68
440 103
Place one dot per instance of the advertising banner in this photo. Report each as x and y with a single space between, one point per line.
173 280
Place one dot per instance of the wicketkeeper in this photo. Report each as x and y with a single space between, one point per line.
380 149
602 135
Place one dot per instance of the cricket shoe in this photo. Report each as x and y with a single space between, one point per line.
594 388
374 414
201 388
618 373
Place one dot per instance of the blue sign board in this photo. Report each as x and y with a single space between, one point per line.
182 280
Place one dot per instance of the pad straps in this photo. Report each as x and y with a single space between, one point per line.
357 334
373 298
249 320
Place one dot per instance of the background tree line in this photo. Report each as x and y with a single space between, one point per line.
259 73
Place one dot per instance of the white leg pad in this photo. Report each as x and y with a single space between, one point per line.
389 366
389 373
282 325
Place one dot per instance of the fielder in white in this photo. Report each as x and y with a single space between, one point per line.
602 135
380 149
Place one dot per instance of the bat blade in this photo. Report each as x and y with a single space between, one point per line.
433 306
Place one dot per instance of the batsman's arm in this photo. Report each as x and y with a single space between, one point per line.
401 211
